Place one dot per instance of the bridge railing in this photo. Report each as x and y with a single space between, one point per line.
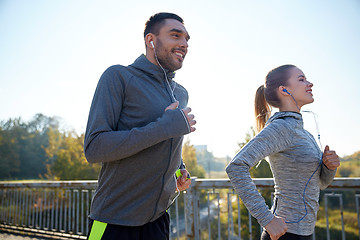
225 206
209 209
54 208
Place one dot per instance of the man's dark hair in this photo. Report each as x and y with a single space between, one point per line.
156 21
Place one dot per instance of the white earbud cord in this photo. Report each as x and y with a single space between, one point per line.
177 191
172 95
166 79
171 90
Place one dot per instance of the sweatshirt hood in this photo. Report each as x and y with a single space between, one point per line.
279 115
144 65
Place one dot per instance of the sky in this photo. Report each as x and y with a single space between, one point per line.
52 54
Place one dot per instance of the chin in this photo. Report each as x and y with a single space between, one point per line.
176 68
308 102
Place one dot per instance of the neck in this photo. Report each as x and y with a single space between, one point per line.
150 55
290 107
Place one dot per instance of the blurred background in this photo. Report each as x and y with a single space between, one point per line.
52 54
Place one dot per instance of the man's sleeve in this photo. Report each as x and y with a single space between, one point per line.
103 143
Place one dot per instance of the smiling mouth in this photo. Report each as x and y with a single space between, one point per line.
180 54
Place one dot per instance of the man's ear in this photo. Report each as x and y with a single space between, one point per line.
149 40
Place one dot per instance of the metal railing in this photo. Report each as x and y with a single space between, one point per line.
209 209
49 208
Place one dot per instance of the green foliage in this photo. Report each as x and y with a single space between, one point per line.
21 152
224 218
353 157
190 160
68 162
37 149
213 166
349 218
195 170
262 170
350 224
248 136
349 166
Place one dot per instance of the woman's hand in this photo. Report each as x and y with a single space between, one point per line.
330 159
276 228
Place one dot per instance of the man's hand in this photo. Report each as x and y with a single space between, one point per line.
190 117
276 228
183 182
330 159
172 106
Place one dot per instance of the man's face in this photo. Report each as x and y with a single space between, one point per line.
171 44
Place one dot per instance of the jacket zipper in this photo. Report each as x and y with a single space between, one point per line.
168 163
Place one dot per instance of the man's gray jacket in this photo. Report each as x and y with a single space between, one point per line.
138 142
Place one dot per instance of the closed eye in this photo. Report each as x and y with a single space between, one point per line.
302 78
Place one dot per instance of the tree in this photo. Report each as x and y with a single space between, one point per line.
66 159
9 157
190 160
350 166
37 149
262 170
21 147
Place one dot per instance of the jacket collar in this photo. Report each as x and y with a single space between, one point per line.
278 115
144 65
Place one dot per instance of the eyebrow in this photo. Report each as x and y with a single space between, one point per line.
301 76
180 31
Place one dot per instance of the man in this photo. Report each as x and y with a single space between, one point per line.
135 129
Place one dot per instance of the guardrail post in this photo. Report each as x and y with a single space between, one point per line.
25 206
357 196
339 196
192 206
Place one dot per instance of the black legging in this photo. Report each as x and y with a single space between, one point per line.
286 236
156 230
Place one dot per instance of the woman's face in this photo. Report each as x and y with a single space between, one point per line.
299 87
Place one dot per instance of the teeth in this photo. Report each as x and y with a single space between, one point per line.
179 54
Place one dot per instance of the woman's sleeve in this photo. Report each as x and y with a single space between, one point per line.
272 139
326 176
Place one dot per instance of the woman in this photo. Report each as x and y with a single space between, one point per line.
299 167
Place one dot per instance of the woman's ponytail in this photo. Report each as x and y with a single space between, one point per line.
267 96
262 109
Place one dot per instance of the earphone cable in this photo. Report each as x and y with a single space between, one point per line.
320 162
166 79
316 125
304 193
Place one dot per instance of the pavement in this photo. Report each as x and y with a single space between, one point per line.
8 236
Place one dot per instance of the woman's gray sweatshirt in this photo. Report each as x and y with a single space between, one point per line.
294 156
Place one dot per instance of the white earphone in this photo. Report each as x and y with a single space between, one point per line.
157 60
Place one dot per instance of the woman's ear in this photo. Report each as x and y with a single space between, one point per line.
283 91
